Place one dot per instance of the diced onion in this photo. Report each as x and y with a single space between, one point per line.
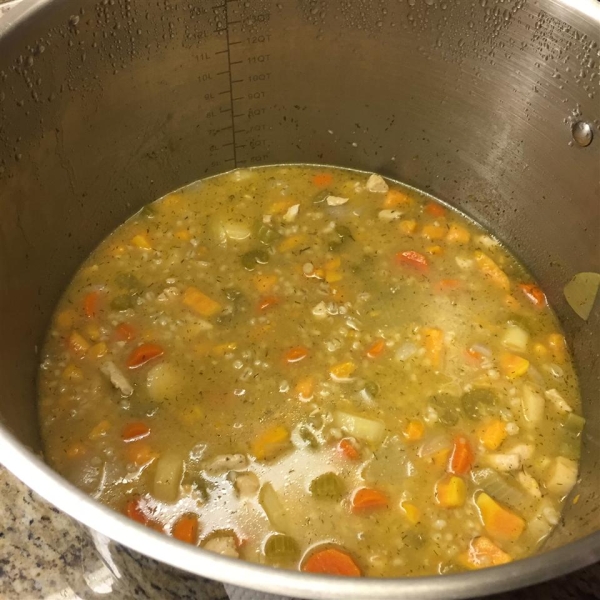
515 339
559 402
533 405
167 477
563 476
503 462
435 444
359 427
377 184
406 350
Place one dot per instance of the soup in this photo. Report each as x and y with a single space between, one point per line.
317 369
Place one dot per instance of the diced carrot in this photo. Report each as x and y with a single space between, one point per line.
492 434
458 235
462 456
395 198
331 562
434 345
184 235
407 226
434 209
124 332
414 431
413 259
267 302
186 529
366 499
450 492
558 346
492 271
483 553
99 430
270 442
342 371
501 523
534 294
90 304
513 366
473 355
134 511
65 319
333 276
348 449
264 283
200 302
76 449
411 511
139 453
376 349
435 250
445 286
291 242
134 431
304 388
333 264
322 179
141 241
143 354
296 354
433 232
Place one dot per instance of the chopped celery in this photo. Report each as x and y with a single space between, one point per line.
281 548
477 403
274 509
498 487
327 487
574 424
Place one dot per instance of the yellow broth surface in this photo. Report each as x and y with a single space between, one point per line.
317 369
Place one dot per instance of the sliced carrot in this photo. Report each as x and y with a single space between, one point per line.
434 209
501 523
323 179
139 453
534 294
376 349
445 286
462 456
134 431
124 332
413 259
90 304
492 434
264 283
348 449
143 354
270 442
395 198
267 302
483 553
200 302
434 345
331 562
133 511
304 388
366 499
414 431
450 491
296 354
186 529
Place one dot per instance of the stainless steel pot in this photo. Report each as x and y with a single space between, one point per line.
105 105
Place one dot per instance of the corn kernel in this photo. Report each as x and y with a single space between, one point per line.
98 350
411 512
141 241
407 226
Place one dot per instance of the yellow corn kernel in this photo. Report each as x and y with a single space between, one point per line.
411 512
434 345
304 388
450 491
100 430
333 264
191 415
414 431
540 350
264 283
98 350
333 276
513 366
492 434
343 370
395 198
72 373
141 241
207 307
458 234
558 346
434 250
433 232
492 271
291 242
223 349
66 318
407 226
77 343
75 450
92 331
271 442
184 235
280 206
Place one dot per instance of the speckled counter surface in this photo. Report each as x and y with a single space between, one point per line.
44 555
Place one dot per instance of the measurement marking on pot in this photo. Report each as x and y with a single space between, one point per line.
254 98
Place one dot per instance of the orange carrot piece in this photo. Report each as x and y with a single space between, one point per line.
268 302
414 431
348 449
304 388
376 349
139 453
186 529
296 354
136 430
534 294
133 511
124 332
462 456
413 259
90 304
143 354
500 522
366 499
331 562
447 285
435 210
323 179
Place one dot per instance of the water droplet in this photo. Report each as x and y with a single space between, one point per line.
74 20
583 133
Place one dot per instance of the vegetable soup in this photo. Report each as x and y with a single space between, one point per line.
316 369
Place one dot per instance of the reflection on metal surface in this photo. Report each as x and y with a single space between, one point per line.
583 133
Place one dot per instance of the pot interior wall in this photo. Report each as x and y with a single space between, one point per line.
107 105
